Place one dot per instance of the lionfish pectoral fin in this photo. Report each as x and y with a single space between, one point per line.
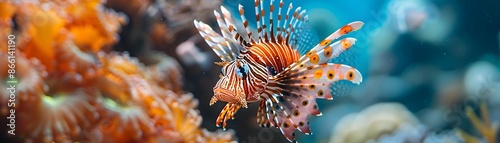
243 102
325 50
299 91
277 111
227 113
262 120
213 100
353 26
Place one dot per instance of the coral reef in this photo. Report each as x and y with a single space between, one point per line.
384 119
72 87
387 123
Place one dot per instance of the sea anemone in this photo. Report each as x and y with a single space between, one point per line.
93 27
76 65
124 123
46 26
121 99
60 117
43 25
78 90
28 81
166 73
132 97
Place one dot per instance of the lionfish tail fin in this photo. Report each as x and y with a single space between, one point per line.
294 96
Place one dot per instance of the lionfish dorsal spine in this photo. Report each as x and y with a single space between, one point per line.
278 26
213 40
235 35
244 20
283 32
271 26
263 19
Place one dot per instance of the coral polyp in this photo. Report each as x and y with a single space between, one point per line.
61 117
125 123
30 84
71 86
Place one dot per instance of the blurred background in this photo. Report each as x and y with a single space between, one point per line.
138 71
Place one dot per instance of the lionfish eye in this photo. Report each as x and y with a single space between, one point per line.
242 70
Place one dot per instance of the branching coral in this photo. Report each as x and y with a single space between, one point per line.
487 129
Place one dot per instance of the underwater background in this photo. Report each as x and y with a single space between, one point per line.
138 71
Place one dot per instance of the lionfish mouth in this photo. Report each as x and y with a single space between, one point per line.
225 95
222 91
228 96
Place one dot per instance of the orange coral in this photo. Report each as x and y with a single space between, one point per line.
49 26
7 9
92 27
124 99
79 91
29 77
165 73
154 111
70 59
43 26
60 117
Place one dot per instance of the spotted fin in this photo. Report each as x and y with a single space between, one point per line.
353 26
308 39
315 81
279 114
295 95
322 56
326 50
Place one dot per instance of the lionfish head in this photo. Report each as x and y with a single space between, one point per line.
237 84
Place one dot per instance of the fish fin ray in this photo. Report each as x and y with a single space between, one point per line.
322 56
214 40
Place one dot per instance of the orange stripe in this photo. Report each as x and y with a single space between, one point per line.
277 55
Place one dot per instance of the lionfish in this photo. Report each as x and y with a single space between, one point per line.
265 66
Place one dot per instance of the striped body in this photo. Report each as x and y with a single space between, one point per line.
265 65
276 55
263 60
